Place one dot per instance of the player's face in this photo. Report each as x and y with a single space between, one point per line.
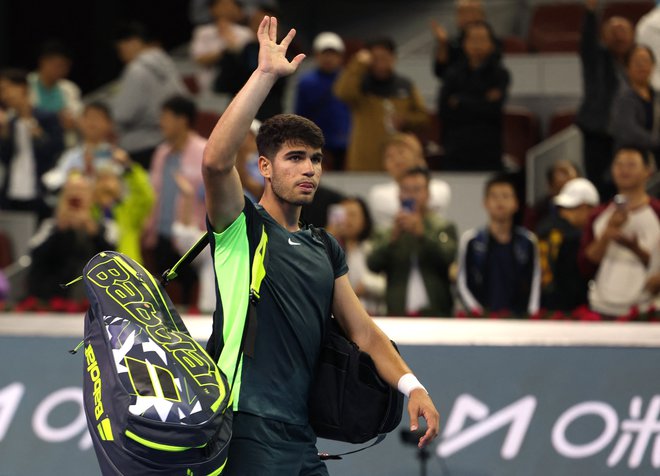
295 173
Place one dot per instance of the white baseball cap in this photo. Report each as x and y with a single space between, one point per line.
328 41
576 192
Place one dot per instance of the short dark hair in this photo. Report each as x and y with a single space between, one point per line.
418 170
550 171
282 128
54 48
499 179
132 29
644 154
382 42
181 106
479 24
101 107
15 76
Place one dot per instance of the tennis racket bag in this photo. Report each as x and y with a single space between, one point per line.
156 403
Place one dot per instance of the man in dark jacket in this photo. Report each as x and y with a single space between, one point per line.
602 73
471 102
30 143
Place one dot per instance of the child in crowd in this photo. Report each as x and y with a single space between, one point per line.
499 264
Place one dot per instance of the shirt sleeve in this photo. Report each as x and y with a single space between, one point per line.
337 257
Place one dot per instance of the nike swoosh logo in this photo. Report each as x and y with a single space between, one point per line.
293 243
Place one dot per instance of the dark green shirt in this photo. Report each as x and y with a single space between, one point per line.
295 304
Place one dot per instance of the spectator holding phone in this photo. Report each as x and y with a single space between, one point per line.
350 222
63 244
415 253
621 237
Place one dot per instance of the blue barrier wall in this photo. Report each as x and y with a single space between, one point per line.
506 410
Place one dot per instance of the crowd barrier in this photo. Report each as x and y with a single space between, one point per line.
516 398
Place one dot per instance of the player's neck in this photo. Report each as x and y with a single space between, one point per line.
284 213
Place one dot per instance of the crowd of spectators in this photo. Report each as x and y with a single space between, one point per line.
126 175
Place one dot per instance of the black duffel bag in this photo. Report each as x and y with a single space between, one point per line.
348 400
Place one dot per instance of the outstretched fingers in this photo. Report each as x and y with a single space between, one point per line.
286 41
262 31
272 30
297 60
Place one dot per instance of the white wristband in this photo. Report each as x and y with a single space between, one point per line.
408 383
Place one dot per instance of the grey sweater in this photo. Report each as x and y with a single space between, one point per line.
628 124
147 82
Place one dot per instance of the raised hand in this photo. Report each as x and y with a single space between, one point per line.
272 57
439 32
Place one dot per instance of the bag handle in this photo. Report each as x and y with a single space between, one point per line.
326 456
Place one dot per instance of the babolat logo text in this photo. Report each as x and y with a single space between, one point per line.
117 280
95 375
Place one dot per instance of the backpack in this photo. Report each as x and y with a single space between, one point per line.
155 402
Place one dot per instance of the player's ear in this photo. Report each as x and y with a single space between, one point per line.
265 166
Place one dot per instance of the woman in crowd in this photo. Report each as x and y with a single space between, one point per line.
350 222
635 121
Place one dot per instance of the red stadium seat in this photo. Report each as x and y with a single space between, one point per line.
521 131
556 27
6 255
352 46
191 83
205 122
514 45
633 10
560 120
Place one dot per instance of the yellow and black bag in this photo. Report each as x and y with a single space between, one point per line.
156 403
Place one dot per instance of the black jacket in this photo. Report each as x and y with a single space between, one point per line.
563 287
467 114
601 76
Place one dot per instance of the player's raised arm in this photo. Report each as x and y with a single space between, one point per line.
224 195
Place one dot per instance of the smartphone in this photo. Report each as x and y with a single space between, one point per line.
336 214
620 201
408 205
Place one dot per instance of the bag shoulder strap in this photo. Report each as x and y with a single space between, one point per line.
187 258
258 273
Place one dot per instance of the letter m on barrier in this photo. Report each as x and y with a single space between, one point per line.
517 416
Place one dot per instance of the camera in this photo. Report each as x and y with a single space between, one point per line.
408 204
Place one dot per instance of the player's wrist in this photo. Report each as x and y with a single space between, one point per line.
408 383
